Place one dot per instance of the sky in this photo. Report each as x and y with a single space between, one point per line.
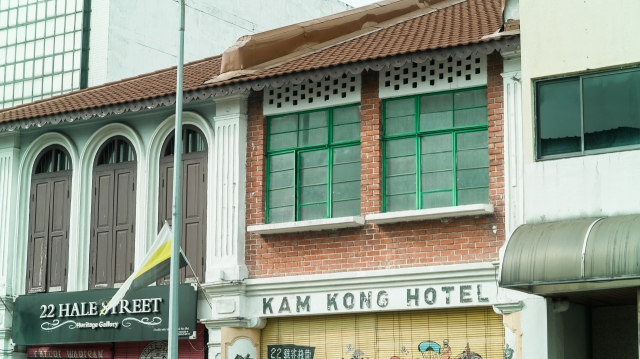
358 3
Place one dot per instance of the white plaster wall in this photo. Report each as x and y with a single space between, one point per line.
143 34
574 36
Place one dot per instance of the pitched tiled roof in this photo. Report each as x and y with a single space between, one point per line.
460 24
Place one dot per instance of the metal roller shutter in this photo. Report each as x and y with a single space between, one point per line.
431 334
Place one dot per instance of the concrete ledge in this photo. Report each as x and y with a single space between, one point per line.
305 226
431 213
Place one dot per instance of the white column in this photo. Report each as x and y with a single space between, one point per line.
225 253
514 170
9 162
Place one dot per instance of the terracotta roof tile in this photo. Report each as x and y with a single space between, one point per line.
460 24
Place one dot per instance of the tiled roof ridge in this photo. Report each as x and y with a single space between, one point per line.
113 83
389 24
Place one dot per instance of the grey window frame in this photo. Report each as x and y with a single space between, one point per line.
583 152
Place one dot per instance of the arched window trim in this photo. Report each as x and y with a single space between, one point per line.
49 235
45 151
169 141
115 140
112 172
166 161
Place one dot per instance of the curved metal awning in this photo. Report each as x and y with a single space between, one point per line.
583 254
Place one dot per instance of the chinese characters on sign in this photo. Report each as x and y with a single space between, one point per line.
290 351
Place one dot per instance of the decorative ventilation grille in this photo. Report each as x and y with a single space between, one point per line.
312 94
432 76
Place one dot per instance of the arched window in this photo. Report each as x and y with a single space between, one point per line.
50 202
194 196
113 214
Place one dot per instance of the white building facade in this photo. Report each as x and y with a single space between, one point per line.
571 116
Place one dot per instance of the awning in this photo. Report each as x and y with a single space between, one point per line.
578 255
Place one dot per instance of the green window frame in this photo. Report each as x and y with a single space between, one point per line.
435 149
585 114
313 165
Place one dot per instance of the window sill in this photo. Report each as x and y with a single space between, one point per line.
431 213
305 226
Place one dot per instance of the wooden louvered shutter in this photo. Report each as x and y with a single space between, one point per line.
194 197
100 275
59 234
166 192
38 236
124 219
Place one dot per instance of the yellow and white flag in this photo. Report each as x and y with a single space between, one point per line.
156 265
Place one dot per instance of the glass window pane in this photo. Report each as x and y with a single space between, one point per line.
346 115
345 191
611 110
316 211
283 140
433 115
467 99
401 184
314 159
473 196
313 120
437 181
283 179
346 208
401 165
473 178
399 116
313 194
559 127
348 132
436 200
280 215
473 140
312 176
398 148
346 154
401 203
284 124
346 172
282 162
281 197
470 117
317 136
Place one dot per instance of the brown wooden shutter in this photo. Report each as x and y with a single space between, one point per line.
124 221
59 234
38 235
100 273
48 247
194 206
113 241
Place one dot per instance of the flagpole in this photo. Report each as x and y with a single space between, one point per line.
177 200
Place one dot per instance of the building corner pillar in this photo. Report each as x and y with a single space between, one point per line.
226 253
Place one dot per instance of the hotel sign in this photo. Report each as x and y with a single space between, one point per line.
66 318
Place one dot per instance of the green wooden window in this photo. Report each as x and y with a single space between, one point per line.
436 150
313 165
585 114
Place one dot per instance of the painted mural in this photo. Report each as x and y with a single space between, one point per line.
452 334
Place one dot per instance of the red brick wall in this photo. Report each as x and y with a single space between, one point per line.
409 244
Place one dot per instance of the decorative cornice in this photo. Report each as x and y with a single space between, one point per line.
224 288
504 44
459 273
236 322
508 308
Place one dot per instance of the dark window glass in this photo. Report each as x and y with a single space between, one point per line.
53 160
559 117
314 165
611 110
604 115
